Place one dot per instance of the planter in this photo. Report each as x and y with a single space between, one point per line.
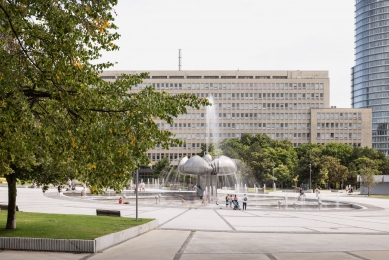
75 245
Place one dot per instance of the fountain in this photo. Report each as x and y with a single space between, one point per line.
206 168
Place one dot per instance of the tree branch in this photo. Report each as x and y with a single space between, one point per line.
17 37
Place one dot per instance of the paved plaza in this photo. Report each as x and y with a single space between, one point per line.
220 233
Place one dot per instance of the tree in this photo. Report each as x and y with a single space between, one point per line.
335 172
367 178
159 166
58 117
282 173
310 154
367 168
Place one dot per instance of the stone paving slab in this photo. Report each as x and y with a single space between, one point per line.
157 244
274 229
345 230
23 255
256 243
162 214
198 219
275 222
376 255
315 256
225 256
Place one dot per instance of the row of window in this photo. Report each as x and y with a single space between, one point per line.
235 126
269 116
286 106
338 126
226 86
339 116
338 136
271 96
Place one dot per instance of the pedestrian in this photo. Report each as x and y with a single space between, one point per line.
59 190
244 202
227 200
120 200
230 201
143 186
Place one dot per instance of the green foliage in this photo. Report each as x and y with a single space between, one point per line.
259 152
59 118
330 163
159 166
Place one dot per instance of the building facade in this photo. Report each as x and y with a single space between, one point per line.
341 125
290 105
370 75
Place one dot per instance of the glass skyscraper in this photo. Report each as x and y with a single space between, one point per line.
370 75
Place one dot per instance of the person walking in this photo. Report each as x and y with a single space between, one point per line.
227 200
244 202
59 190
230 201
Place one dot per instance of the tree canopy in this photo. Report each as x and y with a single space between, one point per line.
59 118
333 163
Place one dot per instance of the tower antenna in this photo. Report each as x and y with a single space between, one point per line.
179 59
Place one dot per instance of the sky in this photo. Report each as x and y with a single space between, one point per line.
244 35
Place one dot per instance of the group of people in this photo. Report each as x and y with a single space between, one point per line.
230 201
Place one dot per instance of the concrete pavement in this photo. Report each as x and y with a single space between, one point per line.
219 233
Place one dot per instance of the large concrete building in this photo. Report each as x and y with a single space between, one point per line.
370 75
281 104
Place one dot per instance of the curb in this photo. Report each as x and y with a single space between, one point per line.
75 245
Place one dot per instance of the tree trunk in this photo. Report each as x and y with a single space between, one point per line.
11 218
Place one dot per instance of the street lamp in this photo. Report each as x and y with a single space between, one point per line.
274 185
310 176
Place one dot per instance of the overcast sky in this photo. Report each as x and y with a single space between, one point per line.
245 35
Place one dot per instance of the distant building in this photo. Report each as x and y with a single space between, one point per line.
370 75
381 186
290 105
341 125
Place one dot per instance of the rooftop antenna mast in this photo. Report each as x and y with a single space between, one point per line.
179 59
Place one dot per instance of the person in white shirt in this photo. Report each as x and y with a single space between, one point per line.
244 202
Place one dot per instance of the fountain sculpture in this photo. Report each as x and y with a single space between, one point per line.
206 169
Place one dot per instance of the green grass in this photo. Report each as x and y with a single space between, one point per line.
40 225
379 196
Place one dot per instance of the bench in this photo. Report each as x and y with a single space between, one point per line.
106 212
5 207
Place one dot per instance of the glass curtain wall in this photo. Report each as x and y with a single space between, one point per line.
370 75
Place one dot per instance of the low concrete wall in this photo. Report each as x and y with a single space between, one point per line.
46 244
75 245
381 188
119 237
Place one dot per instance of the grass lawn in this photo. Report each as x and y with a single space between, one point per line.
379 196
40 225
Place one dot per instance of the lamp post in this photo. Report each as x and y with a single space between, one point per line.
310 176
136 192
274 185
